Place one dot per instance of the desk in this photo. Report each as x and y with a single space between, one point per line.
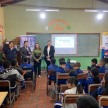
2 97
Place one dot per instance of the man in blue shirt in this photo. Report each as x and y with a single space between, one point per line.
77 66
10 52
61 69
1 65
26 64
52 66
102 68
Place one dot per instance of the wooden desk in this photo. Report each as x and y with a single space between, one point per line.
2 97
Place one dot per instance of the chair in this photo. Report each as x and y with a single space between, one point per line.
60 76
70 98
33 79
82 76
92 87
101 75
103 100
7 84
50 72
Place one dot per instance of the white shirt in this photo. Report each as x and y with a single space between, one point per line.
70 91
48 50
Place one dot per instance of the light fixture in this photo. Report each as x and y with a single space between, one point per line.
49 10
99 16
42 15
105 11
86 10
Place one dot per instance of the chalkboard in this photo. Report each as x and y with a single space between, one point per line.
87 44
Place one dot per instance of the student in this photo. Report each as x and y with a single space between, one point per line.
87 102
74 88
68 66
102 68
1 63
61 69
52 66
103 90
9 74
94 79
77 66
14 65
26 64
106 63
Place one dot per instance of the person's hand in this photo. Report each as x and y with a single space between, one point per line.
29 53
17 64
27 56
47 57
37 60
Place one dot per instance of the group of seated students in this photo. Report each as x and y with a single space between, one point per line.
81 86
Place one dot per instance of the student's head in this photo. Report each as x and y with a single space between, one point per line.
61 59
72 73
26 43
101 63
1 62
11 44
104 83
25 60
6 64
37 46
94 61
94 73
77 66
106 66
13 62
106 60
53 61
73 82
48 43
87 101
63 64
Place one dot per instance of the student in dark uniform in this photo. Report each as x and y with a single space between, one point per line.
1 65
61 69
10 52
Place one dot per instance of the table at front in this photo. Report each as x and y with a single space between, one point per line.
2 97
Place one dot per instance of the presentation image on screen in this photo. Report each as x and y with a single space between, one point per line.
64 43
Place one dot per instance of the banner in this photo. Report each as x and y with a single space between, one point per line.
31 41
105 45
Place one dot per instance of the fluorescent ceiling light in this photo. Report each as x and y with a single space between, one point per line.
105 11
99 16
49 10
91 10
32 9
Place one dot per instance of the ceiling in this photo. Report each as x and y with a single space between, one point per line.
105 1
4 2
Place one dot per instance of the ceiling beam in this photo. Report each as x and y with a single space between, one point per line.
3 2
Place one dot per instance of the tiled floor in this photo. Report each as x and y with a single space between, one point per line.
37 99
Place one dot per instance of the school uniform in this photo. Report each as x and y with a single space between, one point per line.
1 68
102 69
82 81
52 67
69 91
90 81
100 91
68 66
61 70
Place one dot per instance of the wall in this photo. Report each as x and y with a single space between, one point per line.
19 22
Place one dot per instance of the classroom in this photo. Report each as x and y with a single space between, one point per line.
71 35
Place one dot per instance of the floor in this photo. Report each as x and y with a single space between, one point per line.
37 99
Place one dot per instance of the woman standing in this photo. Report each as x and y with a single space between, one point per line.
37 56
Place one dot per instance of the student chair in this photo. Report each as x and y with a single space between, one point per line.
101 75
103 101
50 72
71 98
33 78
92 87
11 94
60 76
82 76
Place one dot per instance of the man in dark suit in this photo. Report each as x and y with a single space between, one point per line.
25 51
48 53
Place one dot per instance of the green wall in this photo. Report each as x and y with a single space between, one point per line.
85 61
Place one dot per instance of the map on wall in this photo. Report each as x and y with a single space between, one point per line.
105 1
1 41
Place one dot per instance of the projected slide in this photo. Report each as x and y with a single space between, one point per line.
64 42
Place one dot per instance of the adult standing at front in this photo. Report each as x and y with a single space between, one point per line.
25 51
10 52
37 56
48 53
